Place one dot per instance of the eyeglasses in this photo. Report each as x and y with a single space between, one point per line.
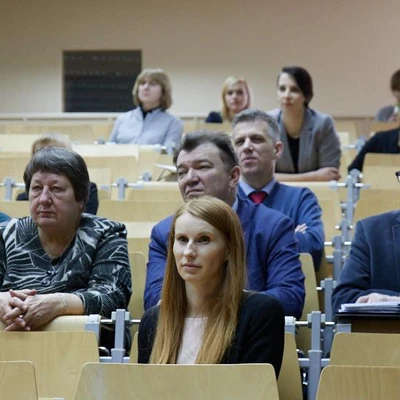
398 175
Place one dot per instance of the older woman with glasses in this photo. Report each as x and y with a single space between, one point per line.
372 270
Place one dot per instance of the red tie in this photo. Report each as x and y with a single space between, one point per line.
258 197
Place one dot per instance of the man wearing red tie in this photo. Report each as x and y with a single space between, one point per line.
207 165
257 144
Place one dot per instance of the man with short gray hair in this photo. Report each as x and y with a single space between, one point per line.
256 139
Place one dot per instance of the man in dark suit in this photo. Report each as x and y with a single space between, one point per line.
257 144
372 270
207 165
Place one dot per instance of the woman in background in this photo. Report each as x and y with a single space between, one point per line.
391 113
57 140
235 98
205 316
312 148
149 122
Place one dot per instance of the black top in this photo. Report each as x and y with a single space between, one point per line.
381 142
259 336
91 206
214 117
294 147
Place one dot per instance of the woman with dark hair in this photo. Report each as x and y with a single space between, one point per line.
205 316
149 122
59 261
392 113
235 97
312 147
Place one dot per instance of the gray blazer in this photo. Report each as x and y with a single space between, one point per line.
319 143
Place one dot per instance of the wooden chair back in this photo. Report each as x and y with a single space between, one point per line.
134 353
139 236
62 323
101 381
57 356
376 201
224 127
131 211
376 126
15 209
349 382
17 143
381 349
138 272
17 380
289 381
303 337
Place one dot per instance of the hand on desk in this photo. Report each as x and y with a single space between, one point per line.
375 297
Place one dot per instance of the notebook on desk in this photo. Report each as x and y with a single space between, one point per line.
378 307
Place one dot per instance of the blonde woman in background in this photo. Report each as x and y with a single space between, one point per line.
149 122
205 316
235 98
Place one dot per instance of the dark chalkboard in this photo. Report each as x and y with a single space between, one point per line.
100 81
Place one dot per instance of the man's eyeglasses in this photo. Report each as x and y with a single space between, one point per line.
398 175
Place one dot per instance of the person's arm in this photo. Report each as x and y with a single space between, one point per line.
174 133
109 285
285 278
369 147
92 204
329 151
355 278
155 266
264 338
319 175
311 240
115 131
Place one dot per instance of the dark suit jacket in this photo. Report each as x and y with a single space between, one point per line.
259 336
381 142
91 206
319 143
273 265
300 205
373 264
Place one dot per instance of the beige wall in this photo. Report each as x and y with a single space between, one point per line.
350 47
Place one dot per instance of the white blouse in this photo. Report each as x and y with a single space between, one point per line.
193 332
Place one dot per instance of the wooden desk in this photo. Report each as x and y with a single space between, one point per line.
370 322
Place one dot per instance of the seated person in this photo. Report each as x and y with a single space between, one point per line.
57 140
207 165
372 269
4 217
235 98
257 143
382 142
309 137
60 261
205 316
149 122
391 113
